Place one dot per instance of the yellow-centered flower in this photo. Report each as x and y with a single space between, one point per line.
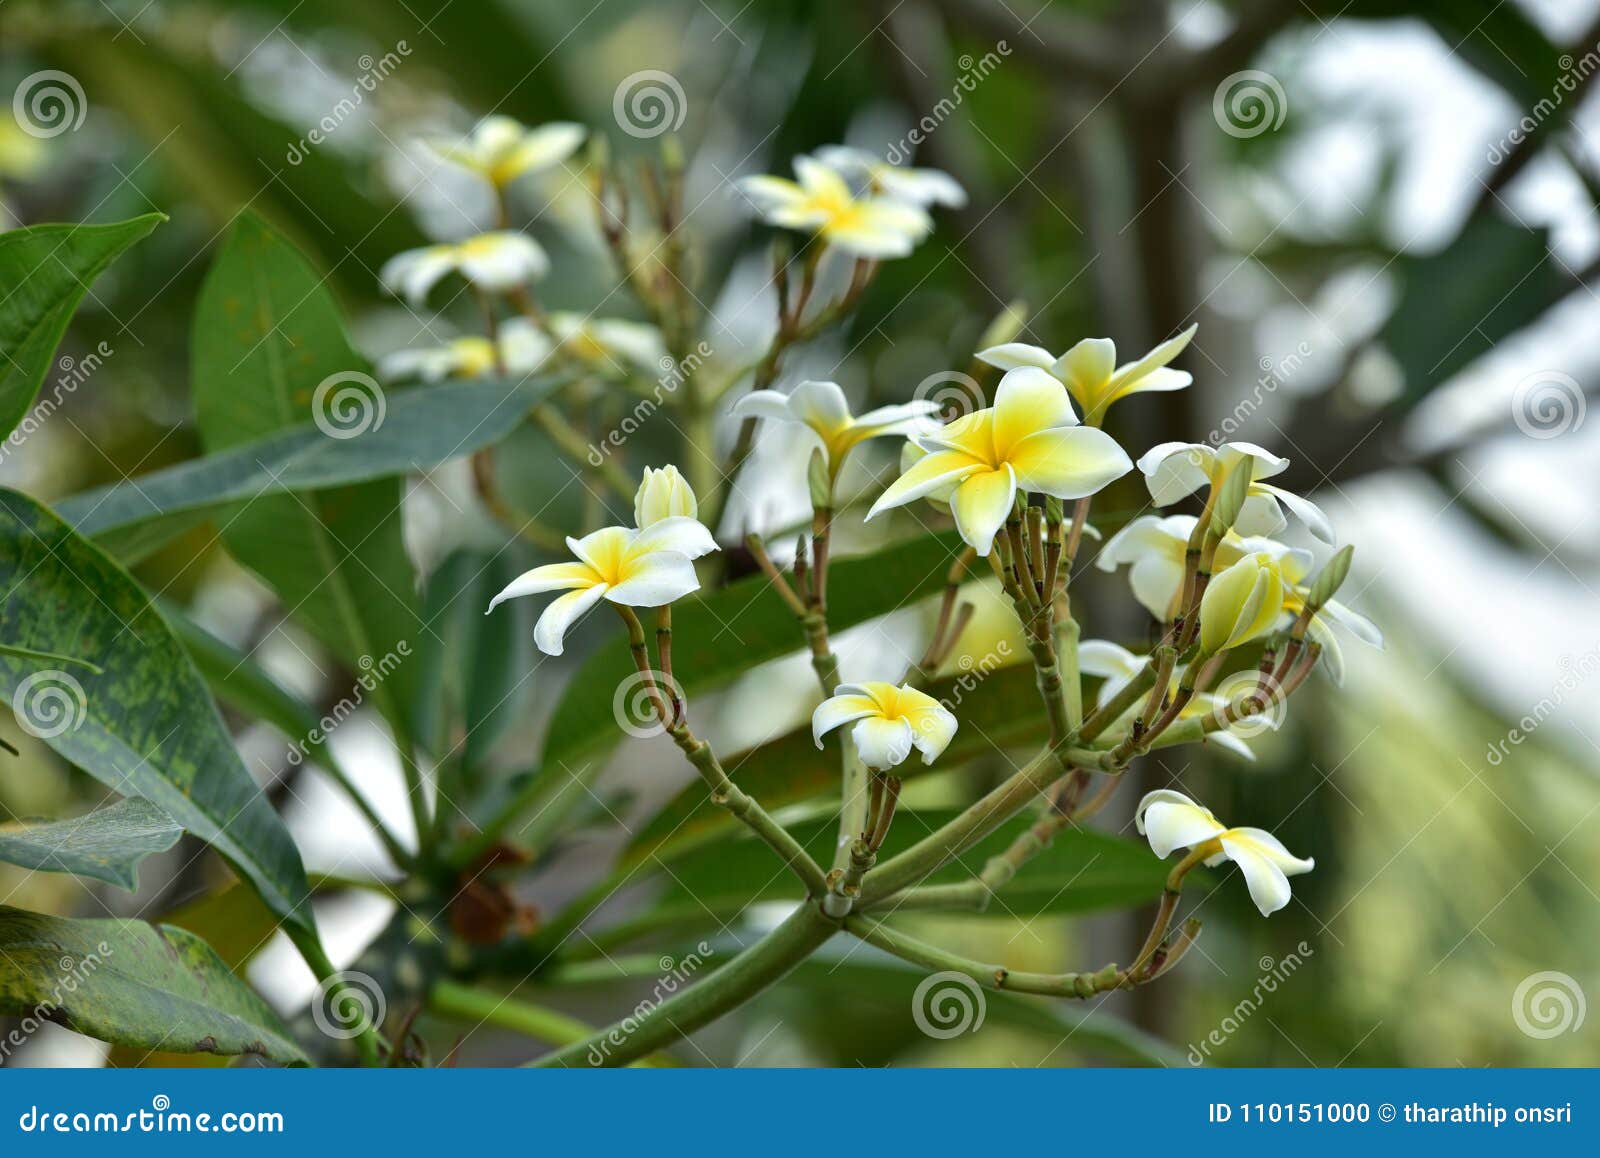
1090 372
1117 665
903 183
1029 440
1174 470
1170 820
501 149
648 568
821 202
493 262
889 722
821 408
523 350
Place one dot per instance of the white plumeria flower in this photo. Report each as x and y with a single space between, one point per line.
1175 470
821 408
501 149
1118 666
1090 372
889 722
493 262
1172 821
523 349
648 568
821 202
663 494
1029 440
612 344
913 186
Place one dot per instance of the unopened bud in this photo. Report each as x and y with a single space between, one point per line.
820 481
1230 498
1005 327
1332 577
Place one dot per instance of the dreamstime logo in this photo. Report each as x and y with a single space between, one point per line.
948 1004
348 404
1548 404
1574 74
1263 696
1275 372
956 394
49 703
347 1004
373 73
1249 103
973 73
74 372
674 973
72 971
1548 1004
648 103
674 373
974 670
633 703
1274 972
49 103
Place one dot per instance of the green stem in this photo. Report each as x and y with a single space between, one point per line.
766 962
312 952
920 952
463 1003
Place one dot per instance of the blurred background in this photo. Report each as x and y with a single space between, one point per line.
1382 216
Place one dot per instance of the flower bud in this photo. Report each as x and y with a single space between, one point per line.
1241 603
663 494
1234 490
1007 325
819 481
1331 579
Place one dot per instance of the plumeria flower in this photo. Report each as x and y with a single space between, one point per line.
494 262
913 186
1029 440
501 149
821 408
664 494
1117 666
648 568
1174 470
523 350
611 344
1090 372
1172 821
889 722
821 202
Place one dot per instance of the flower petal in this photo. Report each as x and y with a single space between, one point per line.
882 743
1266 865
764 404
1157 583
1175 470
878 229
654 580
821 406
838 710
939 472
562 613
677 534
932 728
1068 462
981 504
1170 820
550 577
1087 367
541 148
1028 400
1160 356
1303 509
1260 515
1015 355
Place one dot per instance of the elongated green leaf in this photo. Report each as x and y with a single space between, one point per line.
267 341
44 272
420 428
1081 871
145 726
998 711
147 986
238 681
475 671
107 844
716 637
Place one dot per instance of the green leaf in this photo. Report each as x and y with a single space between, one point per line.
46 270
238 681
147 986
107 844
267 339
1000 711
146 726
716 637
420 429
1082 871
1455 305
475 672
